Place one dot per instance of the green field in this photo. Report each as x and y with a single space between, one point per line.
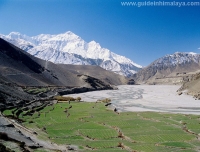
93 127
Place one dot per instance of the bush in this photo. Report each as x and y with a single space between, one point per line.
61 98
2 147
44 129
106 100
78 98
22 144
121 145
3 136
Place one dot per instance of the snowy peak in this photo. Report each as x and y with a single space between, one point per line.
65 37
192 53
93 45
177 58
15 35
69 48
169 69
94 48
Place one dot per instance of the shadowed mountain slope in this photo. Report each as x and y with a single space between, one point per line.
19 67
22 68
20 71
97 72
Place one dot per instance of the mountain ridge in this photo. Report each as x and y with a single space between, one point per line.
20 71
68 48
171 68
18 65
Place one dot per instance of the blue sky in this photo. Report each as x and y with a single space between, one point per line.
142 34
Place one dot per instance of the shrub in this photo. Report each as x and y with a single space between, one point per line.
22 144
18 112
120 145
3 136
120 135
78 98
106 100
61 98
44 129
4 148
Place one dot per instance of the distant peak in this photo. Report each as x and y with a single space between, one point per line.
93 43
69 32
178 53
15 35
192 53
67 35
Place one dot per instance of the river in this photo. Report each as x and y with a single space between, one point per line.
159 98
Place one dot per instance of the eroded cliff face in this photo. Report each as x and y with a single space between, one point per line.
191 85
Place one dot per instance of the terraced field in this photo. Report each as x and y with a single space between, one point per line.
92 126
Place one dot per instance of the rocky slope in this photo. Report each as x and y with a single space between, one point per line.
169 69
68 48
21 71
22 68
191 85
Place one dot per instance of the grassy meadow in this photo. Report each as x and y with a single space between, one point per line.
93 127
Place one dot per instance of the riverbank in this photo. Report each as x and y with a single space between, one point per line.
158 98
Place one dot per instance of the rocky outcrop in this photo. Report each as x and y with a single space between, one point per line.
191 85
94 84
131 82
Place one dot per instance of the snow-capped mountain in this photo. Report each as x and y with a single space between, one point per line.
170 66
68 48
178 58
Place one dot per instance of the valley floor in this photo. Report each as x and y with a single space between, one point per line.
158 98
88 126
